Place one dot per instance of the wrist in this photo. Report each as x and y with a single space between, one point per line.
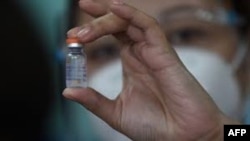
218 133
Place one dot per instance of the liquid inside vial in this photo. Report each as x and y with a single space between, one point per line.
76 68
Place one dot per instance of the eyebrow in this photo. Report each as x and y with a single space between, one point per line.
218 16
167 13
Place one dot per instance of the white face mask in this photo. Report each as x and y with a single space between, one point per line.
217 78
213 73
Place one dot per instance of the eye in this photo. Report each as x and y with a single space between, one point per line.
104 53
187 36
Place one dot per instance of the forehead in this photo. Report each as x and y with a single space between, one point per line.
155 7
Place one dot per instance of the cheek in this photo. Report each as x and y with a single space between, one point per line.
226 45
226 51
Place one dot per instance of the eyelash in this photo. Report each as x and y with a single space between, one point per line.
186 35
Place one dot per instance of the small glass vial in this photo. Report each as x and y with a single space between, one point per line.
76 72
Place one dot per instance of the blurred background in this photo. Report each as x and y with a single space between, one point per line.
32 72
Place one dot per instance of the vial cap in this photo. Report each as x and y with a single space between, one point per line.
72 40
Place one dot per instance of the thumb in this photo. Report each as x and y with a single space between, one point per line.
94 102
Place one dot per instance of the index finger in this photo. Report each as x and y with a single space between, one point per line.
121 17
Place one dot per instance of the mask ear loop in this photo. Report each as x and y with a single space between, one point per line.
239 56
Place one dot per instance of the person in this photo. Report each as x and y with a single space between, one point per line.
164 95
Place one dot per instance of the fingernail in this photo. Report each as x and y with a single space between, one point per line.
66 91
83 32
117 2
73 32
70 32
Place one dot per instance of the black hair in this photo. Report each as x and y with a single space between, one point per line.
242 7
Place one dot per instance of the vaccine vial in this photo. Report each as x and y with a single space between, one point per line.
76 72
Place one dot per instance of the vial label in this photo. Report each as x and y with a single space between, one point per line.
76 73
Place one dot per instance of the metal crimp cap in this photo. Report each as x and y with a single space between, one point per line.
73 42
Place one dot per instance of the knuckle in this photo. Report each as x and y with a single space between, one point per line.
100 25
152 22
81 4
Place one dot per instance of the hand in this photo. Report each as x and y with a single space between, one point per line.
160 99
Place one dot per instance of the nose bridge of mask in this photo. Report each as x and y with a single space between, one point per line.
200 58
238 58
